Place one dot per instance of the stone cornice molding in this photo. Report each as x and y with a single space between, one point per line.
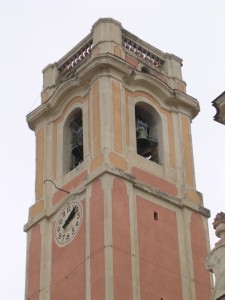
108 169
90 70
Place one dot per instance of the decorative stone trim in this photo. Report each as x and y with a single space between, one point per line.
219 225
219 104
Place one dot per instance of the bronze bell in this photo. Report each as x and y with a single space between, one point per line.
146 145
77 151
142 138
77 143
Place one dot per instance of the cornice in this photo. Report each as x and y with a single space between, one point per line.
107 169
190 104
110 65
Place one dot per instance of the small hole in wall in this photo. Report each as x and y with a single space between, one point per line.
156 217
145 70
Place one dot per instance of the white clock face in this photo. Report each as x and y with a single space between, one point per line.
68 222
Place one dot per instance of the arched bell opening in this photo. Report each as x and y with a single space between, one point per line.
73 141
76 133
147 132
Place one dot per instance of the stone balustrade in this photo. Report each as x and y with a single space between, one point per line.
142 52
131 44
128 43
76 58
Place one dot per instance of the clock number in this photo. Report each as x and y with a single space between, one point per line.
60 235
68 208
73 230
68 236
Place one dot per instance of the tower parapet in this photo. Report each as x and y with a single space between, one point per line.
108 37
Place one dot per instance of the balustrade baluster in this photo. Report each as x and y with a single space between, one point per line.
141 52
76 58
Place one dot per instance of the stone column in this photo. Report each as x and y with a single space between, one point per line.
215 261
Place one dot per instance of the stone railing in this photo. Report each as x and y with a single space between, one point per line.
142 52
76 58
141 49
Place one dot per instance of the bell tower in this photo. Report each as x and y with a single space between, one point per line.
117 215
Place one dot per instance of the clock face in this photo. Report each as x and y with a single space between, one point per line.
68 222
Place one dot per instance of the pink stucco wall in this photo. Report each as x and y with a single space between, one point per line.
97 249
34 263
199 254
68 267
121 242
160 277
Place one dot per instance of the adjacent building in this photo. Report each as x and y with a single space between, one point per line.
219 104
215 262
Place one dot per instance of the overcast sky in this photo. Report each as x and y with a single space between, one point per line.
36 33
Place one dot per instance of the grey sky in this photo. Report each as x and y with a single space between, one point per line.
36 33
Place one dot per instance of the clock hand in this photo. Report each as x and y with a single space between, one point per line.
70 217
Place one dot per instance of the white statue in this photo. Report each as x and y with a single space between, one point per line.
215 261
